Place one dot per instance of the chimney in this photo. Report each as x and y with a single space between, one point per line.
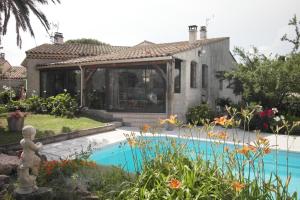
203 33
58 38
2 55
193 33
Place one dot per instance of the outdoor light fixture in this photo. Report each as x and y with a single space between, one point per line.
201 52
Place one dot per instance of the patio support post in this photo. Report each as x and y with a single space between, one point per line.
170 87
82 86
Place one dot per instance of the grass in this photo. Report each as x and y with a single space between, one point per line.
46 125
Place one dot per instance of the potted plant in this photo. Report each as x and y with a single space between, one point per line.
15 120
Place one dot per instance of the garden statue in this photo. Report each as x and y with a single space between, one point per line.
30 162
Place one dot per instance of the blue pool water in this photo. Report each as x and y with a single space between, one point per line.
120 154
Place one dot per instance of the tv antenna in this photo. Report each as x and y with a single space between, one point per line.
54 27
208 20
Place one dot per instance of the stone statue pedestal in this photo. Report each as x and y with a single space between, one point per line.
42 193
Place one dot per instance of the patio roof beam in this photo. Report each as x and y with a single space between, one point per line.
108 62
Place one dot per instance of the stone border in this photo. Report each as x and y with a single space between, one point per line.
65 136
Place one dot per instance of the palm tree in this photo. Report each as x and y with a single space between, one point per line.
21 10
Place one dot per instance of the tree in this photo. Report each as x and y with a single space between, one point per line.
86 41
296 41
266 81
21 10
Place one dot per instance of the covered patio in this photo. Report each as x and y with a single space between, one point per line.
140 86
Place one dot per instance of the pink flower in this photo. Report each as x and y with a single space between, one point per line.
269 112
262 114
265 125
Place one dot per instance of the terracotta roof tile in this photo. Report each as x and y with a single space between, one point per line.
71 50
142 51
14 73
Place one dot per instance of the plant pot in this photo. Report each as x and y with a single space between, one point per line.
15 124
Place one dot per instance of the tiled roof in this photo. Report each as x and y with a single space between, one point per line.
142 51
144 43
66 50
14 73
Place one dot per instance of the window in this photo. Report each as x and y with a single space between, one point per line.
204 76
177 80
193 76
53 82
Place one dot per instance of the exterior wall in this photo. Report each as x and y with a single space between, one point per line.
14 83
4 67
218 58
33 74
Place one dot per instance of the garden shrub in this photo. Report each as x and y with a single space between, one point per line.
197 114
223 102
17 105
292 118
38 104
63 105
292 106
7 95
3 109
80 177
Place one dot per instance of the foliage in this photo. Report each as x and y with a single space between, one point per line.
38 104
7 95
266 81
3 109
296 41
63 105
85 41
21 11
80 177
291 105
175 170
173 175
17 105
196 115
223 102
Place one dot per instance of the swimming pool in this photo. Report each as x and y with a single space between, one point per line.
121 155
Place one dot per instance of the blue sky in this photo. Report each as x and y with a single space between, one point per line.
259 23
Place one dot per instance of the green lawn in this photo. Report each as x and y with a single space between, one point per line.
46 125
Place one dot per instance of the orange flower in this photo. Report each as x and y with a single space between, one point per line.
145 128
172 120
211 134
174 183
252 148
132 142
162 121
267 150
237 186
244 150
262 140
222 135
226 148
223 121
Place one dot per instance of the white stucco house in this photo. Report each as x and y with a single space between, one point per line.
138 84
